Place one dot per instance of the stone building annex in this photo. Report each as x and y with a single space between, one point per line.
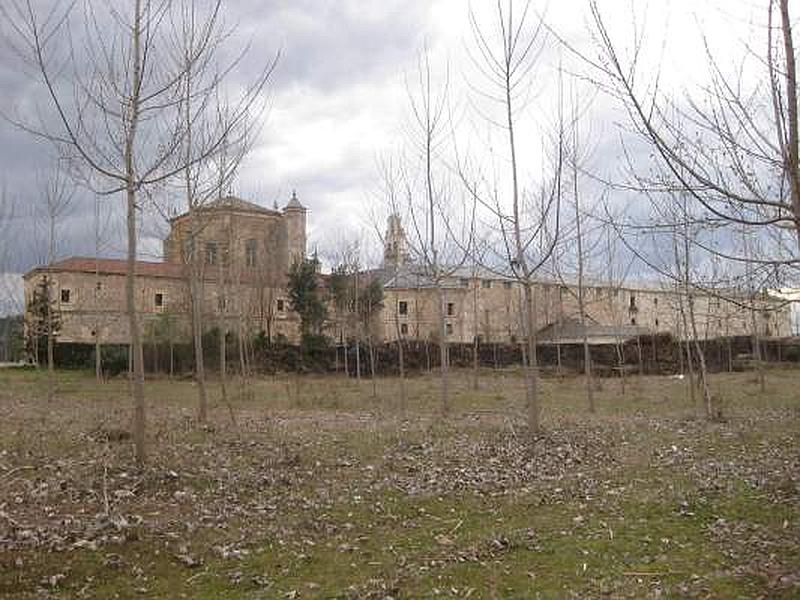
246 253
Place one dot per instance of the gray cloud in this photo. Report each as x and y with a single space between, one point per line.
337 102
327 49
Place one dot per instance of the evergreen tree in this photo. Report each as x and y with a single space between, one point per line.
42 310
305 297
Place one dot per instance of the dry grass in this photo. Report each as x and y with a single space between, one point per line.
323 489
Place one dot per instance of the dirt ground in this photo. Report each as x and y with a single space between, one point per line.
323 487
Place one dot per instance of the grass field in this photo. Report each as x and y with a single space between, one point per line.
321 490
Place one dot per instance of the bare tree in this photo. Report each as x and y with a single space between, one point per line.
735 150
209 121
100 226
116 97
617 272
506 55
57 193
576 243
441 227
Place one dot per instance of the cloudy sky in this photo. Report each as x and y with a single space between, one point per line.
338 100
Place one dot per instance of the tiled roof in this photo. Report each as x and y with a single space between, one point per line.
234 203
113 266
294 203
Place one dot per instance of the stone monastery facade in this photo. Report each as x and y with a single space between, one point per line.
245 251
482 303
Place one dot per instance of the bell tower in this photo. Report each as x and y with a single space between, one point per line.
294 215
395 248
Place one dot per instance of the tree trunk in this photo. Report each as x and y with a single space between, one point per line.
196 300
443 356
531 369
688 351
475 345
358 361
792 152
98 356
620 350
701 359
130 277
401 359
475 364
133 323
757 354
639 356
587 367
51 374
372 367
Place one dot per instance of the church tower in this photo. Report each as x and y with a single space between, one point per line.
395 247
294 214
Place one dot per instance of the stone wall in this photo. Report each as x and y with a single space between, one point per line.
89 305
491 309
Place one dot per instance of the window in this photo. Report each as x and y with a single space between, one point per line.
250 253
487 283
513 339
221 303
449 328
158 300
633 321
450 309
402 307
655 301
98 286
507 285
656 322
211 253
464 282
65 295
633 301
281 306
403 328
